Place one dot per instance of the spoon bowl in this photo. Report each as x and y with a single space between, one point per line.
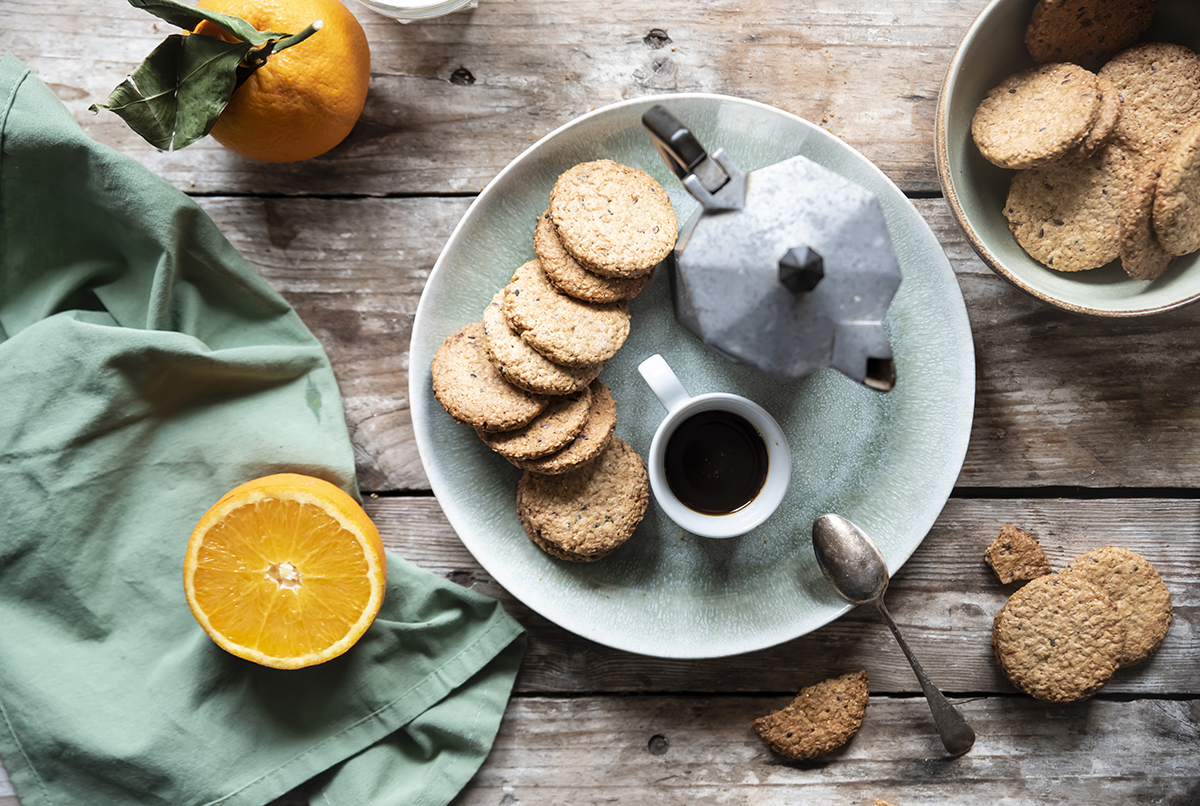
856 570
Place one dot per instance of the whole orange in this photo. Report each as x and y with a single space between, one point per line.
306 98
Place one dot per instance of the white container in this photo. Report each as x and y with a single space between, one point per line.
410 10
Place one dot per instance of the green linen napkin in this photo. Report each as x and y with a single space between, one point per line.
145 369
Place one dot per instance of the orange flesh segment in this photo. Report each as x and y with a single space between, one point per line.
282 578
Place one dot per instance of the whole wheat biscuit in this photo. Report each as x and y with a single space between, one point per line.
1036 116
1058 638
1159 85
523 366
566 330
821 718
472 391
588 443
590 510
1176 215
1143 601
615 220
1142 256
1085 32
1065 214
574 280
1015 555
1107 116
562 554
547 433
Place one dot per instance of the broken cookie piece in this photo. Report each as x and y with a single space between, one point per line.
821 718
1015 555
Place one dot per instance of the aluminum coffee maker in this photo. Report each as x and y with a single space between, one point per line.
788 268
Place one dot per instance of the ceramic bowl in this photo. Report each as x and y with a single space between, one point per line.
992 50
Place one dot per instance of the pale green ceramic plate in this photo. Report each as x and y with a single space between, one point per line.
992 50
887 462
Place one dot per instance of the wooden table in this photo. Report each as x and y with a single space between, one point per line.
1086 431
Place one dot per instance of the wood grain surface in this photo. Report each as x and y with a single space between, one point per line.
1086 430
453 100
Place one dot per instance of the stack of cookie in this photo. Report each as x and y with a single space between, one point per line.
1062 636
1108 162
526 376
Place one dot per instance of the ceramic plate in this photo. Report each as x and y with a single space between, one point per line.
992 50
887 462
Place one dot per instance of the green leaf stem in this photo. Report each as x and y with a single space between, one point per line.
173 98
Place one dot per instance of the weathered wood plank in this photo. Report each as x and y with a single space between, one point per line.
593 750
867 70
943 598
1062 400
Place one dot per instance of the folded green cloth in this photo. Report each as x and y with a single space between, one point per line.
145 369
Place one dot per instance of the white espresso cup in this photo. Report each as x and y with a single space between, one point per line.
719 464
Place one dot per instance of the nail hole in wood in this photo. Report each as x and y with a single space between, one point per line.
658 745
656 38
462 77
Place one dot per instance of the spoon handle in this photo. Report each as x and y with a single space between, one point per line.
957 735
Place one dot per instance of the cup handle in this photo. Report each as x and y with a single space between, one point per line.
663 383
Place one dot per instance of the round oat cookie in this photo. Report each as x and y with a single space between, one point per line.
1058 638
573 279
1036 116
566 330
1176 215
547 433
821 718
472 391
616 220
590 510
1065 214
523 366
1106 118
563 554
1143 601
1159 85
1142 256
1085 32
588 443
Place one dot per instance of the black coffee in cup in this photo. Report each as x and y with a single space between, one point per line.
715 462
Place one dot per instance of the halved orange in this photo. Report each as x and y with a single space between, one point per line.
285 570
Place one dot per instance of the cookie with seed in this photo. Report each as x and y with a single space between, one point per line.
1065 214
473 392
1176 216
1015 555
1036 116
1142 256
548 433
1058 638
588 443
1143 601
1086 32
821 718
615 220
590 511
566 330
523 366
574 280
1107 116
1159 85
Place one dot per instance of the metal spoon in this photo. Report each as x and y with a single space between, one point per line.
857 571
